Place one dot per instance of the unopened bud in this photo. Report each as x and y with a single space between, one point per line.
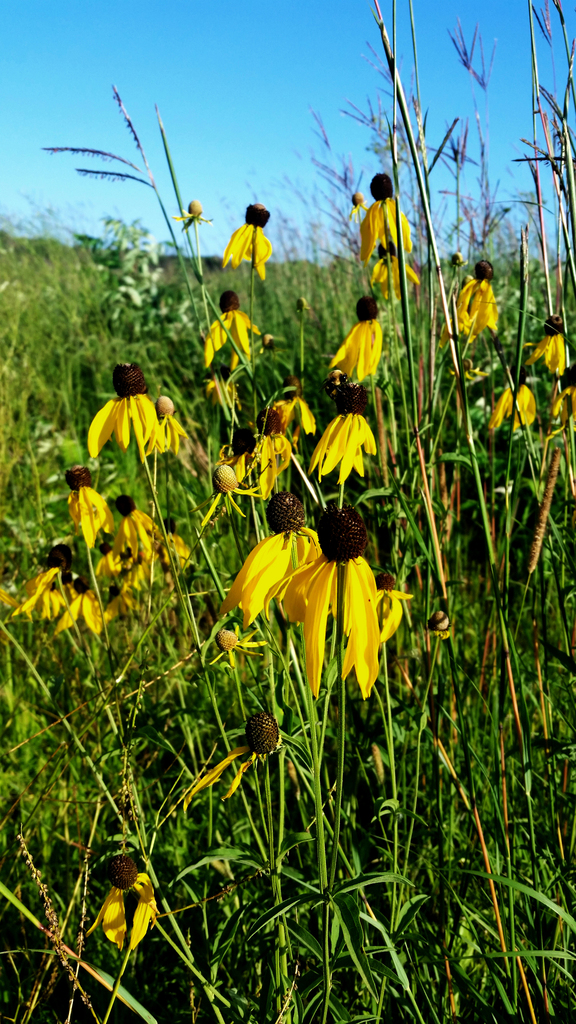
195 208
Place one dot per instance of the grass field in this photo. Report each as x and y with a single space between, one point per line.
405 853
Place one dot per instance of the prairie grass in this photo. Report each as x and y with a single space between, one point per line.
448 893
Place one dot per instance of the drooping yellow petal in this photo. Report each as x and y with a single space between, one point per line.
265 565
315 620
319 453
362 624
122 424
347 355
113 917
146 911
35 589
503 408
214 774
102 427
238 777
371 229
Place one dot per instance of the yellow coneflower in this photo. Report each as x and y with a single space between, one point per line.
380 272
121 602
357 205
167 431
110 564
39 589
379 224
238 324
250 238
131 406
566 400
223 392
390 603
262 738
476 306
271 559
240 453
192 214
363 343
471 372
84 605
123 875
526 404
552 346
287 406
229 642
135 526
273 445
225 483
310 592
137 569
345 435
178 543
439 625
87 508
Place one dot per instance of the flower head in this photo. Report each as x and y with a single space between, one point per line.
293 401
167 431
310 592
84 605
225 484
249 241
380 272
223 392
135 528
271 559
192 214
439 625
476 307
357 205
272 445
237 324
262 738
566 401
131 406
229 642
525 401
345 435
379 224
87 508
240 452
552 346
390 604
110 564
39 589
121 602
362 346
124 875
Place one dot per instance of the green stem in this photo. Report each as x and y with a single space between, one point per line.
117 985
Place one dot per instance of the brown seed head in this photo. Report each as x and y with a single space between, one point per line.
341 533
269 421
468 365
262 733
292 382
164 406
122 871
267 341
105 548
224 479
243 441
357 199
351 398
554 325
195 208
226 639
285 513
81 585
381 187
125 504
382 250
128 380
59 557
113 592
522 379
438 622
229 301
385 581
484 271
66 578
366 308
170 525
224 371
78 476
257 215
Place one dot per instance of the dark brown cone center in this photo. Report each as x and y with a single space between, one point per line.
122 871
484 271
341 533
366 308
59 557
554 325
128 380
269 421
257 215
243 441
78 476
381 187
385 581
125 504
229 301
351 398
285 513
262 733
292 382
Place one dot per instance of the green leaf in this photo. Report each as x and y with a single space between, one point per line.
408 913
564 659
529 891
220 853
455 457
380 492
306 939
150 733
293 839
347 913
391 948
282 908
361 881
126 997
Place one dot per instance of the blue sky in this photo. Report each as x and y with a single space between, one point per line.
234 83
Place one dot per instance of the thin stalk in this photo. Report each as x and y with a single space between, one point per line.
123 967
